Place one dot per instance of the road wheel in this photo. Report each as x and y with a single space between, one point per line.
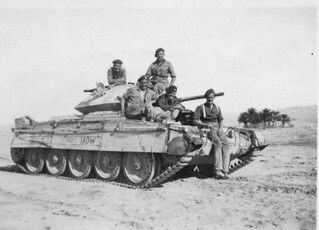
80 163
34 160
56 161
107 165
139 168
158 169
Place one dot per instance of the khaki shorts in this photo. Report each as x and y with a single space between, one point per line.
157 114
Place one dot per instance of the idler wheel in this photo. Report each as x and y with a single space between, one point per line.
18 155
80 164
107 165
34 160
139 168
56 162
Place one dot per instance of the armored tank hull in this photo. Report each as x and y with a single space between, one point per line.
104 144
113 148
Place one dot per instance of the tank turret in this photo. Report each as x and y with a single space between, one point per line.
107 99
103 99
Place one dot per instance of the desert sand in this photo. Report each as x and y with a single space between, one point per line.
276 191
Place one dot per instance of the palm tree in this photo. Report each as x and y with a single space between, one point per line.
265 116
284 119
253 116
243 118
274 116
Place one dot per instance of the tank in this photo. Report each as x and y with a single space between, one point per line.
103 144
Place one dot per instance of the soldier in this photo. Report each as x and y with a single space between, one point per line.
209 115
159 71
169 102
116 75
137 102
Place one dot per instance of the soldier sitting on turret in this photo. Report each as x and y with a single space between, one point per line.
116 75
208 115
159 71
169 102
137 103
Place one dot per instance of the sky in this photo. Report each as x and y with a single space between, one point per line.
259 54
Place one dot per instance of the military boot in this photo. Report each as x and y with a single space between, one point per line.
226 176
219 175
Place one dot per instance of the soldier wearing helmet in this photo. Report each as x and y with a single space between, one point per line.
209 115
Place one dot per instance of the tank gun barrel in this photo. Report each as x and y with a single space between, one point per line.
198 97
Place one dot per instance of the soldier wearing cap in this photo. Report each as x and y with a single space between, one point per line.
209 115
169 102
137 98
137 102
159 71
116 75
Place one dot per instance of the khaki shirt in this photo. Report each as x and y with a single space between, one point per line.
165 104
208 114
135 104
133 96
161 71
116 78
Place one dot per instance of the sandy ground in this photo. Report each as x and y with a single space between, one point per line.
276 191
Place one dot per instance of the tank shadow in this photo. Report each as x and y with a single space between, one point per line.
11 168
200 172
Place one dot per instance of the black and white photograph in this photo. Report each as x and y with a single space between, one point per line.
171 114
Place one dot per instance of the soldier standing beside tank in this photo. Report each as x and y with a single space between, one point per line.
116 75
169 102
209 115
159 71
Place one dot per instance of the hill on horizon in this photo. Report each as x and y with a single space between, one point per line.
307 114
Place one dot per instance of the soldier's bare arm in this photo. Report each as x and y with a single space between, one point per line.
172 74
110 79
123 106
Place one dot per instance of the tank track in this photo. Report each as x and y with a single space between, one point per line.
234 165
182 162
161 178
240 162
